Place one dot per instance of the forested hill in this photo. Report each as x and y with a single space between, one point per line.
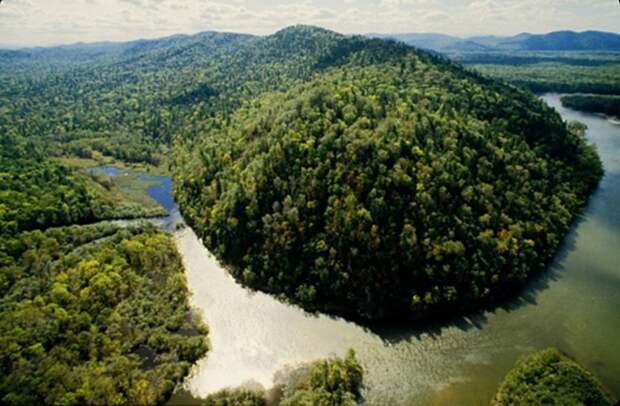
366 178
353 175
128 102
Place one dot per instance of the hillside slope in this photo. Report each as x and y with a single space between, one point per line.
378 181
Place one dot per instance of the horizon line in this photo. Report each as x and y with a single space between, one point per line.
14 47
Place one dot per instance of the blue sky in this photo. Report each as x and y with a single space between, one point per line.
48 22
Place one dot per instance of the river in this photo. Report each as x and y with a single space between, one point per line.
573 306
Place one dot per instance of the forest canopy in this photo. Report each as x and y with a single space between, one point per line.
94 315
558 72
325 382
548 377
608 105
386 189
89 313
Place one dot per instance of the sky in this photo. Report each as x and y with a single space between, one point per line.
51 22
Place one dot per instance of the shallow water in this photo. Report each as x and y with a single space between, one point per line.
161 191
573 306
111 171
159 188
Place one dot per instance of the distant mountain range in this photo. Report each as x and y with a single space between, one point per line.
554 41
86 52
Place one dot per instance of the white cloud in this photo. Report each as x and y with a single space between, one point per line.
26 22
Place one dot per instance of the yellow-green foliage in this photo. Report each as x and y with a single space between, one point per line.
238 397
550 378
328 382
333 382
94 315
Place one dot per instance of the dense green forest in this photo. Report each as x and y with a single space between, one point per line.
94 315
609 105
89 314
37 193
560 72
549 59
326 382
387 187
548 377
236 397
330 382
